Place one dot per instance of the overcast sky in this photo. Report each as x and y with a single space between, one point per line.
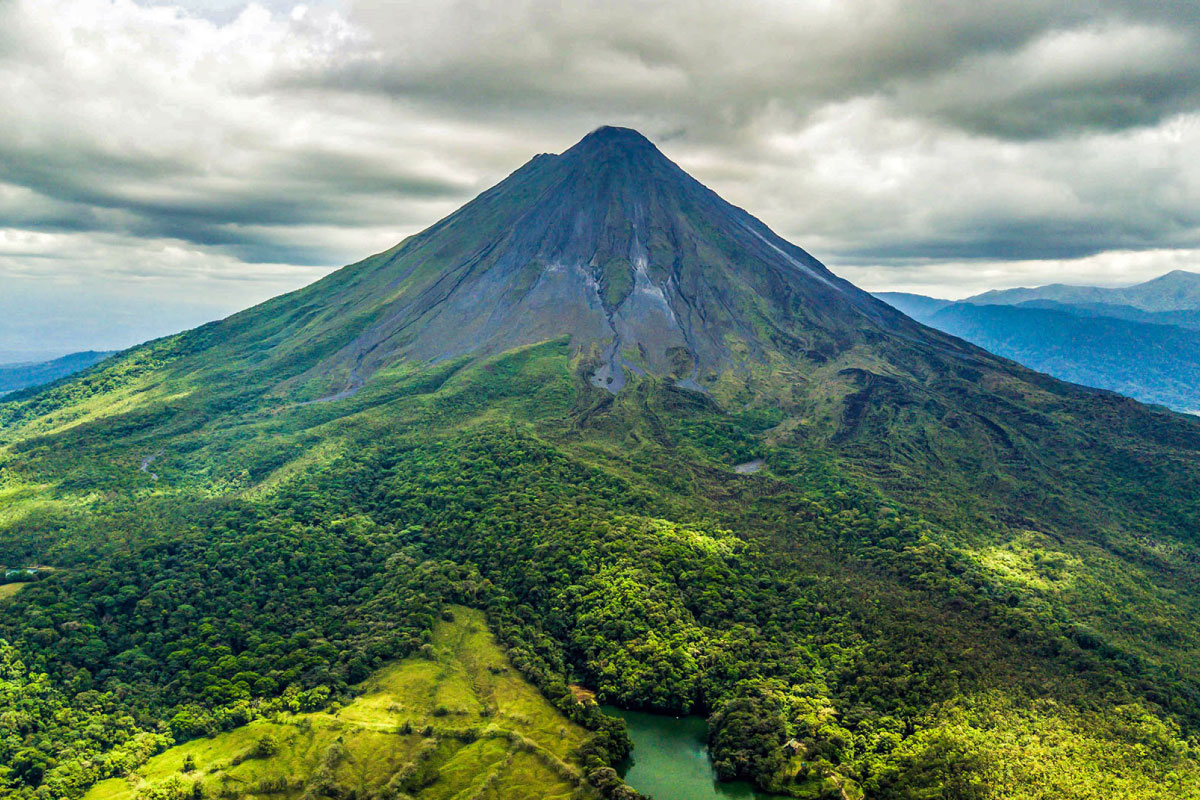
165 163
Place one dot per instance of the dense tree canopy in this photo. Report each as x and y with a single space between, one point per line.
844 641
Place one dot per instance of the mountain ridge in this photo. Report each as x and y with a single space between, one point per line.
1178 290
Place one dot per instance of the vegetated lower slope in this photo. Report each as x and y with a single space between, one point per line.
1175 291
955 577
1153 363
23 376
456 720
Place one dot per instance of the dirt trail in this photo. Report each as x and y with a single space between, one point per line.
353 384
145 465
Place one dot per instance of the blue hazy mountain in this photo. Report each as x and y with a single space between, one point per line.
1187 318
14 377
1150 355
1175 291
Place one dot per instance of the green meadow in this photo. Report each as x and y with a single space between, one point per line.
455 721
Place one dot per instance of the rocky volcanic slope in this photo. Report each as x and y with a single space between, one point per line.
609 243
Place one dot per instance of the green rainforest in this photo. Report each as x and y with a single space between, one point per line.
401 534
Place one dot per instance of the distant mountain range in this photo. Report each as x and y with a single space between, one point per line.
1175 291
14 377
1142 341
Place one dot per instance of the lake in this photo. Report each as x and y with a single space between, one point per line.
670 759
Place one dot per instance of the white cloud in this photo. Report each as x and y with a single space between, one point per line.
955 280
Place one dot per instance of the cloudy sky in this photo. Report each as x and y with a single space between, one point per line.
165 163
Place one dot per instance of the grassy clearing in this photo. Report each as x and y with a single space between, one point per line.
456 722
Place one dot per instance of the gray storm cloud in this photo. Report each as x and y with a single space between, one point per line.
183 152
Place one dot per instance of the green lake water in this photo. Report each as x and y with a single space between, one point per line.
670 759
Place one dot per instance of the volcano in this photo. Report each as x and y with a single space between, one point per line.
598 437
611 244
646 273
614 246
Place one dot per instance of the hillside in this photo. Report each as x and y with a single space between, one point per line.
953 576
1153 362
